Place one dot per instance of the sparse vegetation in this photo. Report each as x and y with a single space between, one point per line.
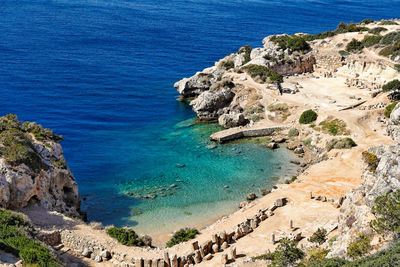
254 112
389 109
388 22
307 143
291 180
285 254
182 235
371 159
293 42
125 236
315 255
334 126
359 246
354 46
16 237
227 65
319 236
387 212
367 21
370 40
293 132
262 73
278 107
343 53
377 30
344 143
246 50
308 116
391 86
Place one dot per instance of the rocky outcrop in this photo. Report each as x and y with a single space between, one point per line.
209 105
382 177
51 186
214 92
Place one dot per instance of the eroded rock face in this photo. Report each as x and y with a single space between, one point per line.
52 187
356 213
209 105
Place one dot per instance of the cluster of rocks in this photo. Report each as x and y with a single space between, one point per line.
379 105
362 84
87 248
336 202
216 95
151 192
356 213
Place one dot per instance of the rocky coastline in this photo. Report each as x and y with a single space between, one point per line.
256 92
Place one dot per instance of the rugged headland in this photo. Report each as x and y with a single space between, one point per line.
331 98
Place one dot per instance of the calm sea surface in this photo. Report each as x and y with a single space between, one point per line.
101 73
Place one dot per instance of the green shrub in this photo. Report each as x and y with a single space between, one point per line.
391 51
354 46
15 234
182 235
367 21
388 257
343 28
389 109
344 143
387 212
397 67
359 246
391 38
263 73
291 180
391 86
278 107
343 53
125 236
319 236
294 43
388 22
286 253
315 256
293 132
227 65
308 116
371 160
247 51
329 262
370 40
377 30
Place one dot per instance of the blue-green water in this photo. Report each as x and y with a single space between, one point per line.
187 180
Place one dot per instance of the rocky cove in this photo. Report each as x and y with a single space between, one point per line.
252 93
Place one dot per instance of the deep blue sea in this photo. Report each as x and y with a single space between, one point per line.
101 73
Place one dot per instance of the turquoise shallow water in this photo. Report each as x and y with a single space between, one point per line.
191 181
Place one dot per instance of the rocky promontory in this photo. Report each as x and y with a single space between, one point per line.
33 169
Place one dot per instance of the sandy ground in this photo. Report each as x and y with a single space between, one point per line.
332 178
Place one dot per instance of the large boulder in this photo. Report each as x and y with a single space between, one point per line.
232 120
209 104
395 115
198 83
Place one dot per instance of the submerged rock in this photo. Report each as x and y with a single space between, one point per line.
251 196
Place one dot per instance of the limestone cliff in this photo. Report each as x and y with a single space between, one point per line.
33 169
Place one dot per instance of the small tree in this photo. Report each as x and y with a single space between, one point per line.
359 246
387 212
287 253
319 236
391 86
